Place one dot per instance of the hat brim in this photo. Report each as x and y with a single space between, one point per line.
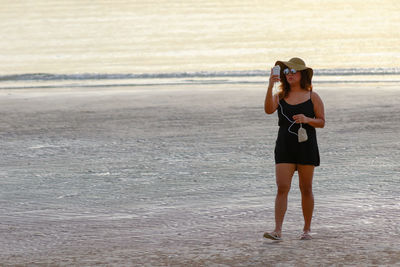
284 64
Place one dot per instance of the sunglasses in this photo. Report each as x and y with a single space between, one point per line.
287 71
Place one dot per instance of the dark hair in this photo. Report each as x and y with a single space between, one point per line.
305 83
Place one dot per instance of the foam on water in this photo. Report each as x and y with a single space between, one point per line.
199 74
48 80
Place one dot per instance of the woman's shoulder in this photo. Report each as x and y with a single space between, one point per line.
315 98
315 95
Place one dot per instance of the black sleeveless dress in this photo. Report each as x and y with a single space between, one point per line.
287 148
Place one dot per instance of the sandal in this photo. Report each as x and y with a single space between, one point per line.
272 235
305 236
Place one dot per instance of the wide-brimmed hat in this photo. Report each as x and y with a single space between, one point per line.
297 64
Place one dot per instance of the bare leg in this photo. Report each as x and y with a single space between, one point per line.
284 175
306 173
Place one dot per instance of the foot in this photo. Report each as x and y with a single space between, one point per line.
273 235
306 236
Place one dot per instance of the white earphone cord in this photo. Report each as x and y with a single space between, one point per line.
293 122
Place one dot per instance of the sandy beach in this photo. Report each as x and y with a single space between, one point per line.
132 133
184 176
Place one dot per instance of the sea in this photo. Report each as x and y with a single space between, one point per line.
129 43
133 134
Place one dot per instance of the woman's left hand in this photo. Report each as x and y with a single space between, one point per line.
301 118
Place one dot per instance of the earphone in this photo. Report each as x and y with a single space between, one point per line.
293 122
302 133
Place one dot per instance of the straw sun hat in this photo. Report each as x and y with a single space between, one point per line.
297 64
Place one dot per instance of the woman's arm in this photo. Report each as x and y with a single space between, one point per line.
271 101
319 120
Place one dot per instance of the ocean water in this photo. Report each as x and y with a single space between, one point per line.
256 77
129 43
134 37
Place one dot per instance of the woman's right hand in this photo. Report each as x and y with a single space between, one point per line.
271 101
273 79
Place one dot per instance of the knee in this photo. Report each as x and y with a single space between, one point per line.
306 190
283 189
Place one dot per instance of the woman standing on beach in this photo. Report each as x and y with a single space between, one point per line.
299 109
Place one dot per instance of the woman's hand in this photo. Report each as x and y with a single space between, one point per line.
273 79
271 101
301 118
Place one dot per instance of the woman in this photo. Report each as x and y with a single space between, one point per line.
298 107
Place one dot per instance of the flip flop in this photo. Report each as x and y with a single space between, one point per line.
273 236
305 236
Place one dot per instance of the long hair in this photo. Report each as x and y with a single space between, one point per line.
305 83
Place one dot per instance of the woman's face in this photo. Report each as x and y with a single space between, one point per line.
293 78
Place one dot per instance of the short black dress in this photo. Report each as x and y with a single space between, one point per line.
287 148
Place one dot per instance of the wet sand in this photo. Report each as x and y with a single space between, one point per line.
183 176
